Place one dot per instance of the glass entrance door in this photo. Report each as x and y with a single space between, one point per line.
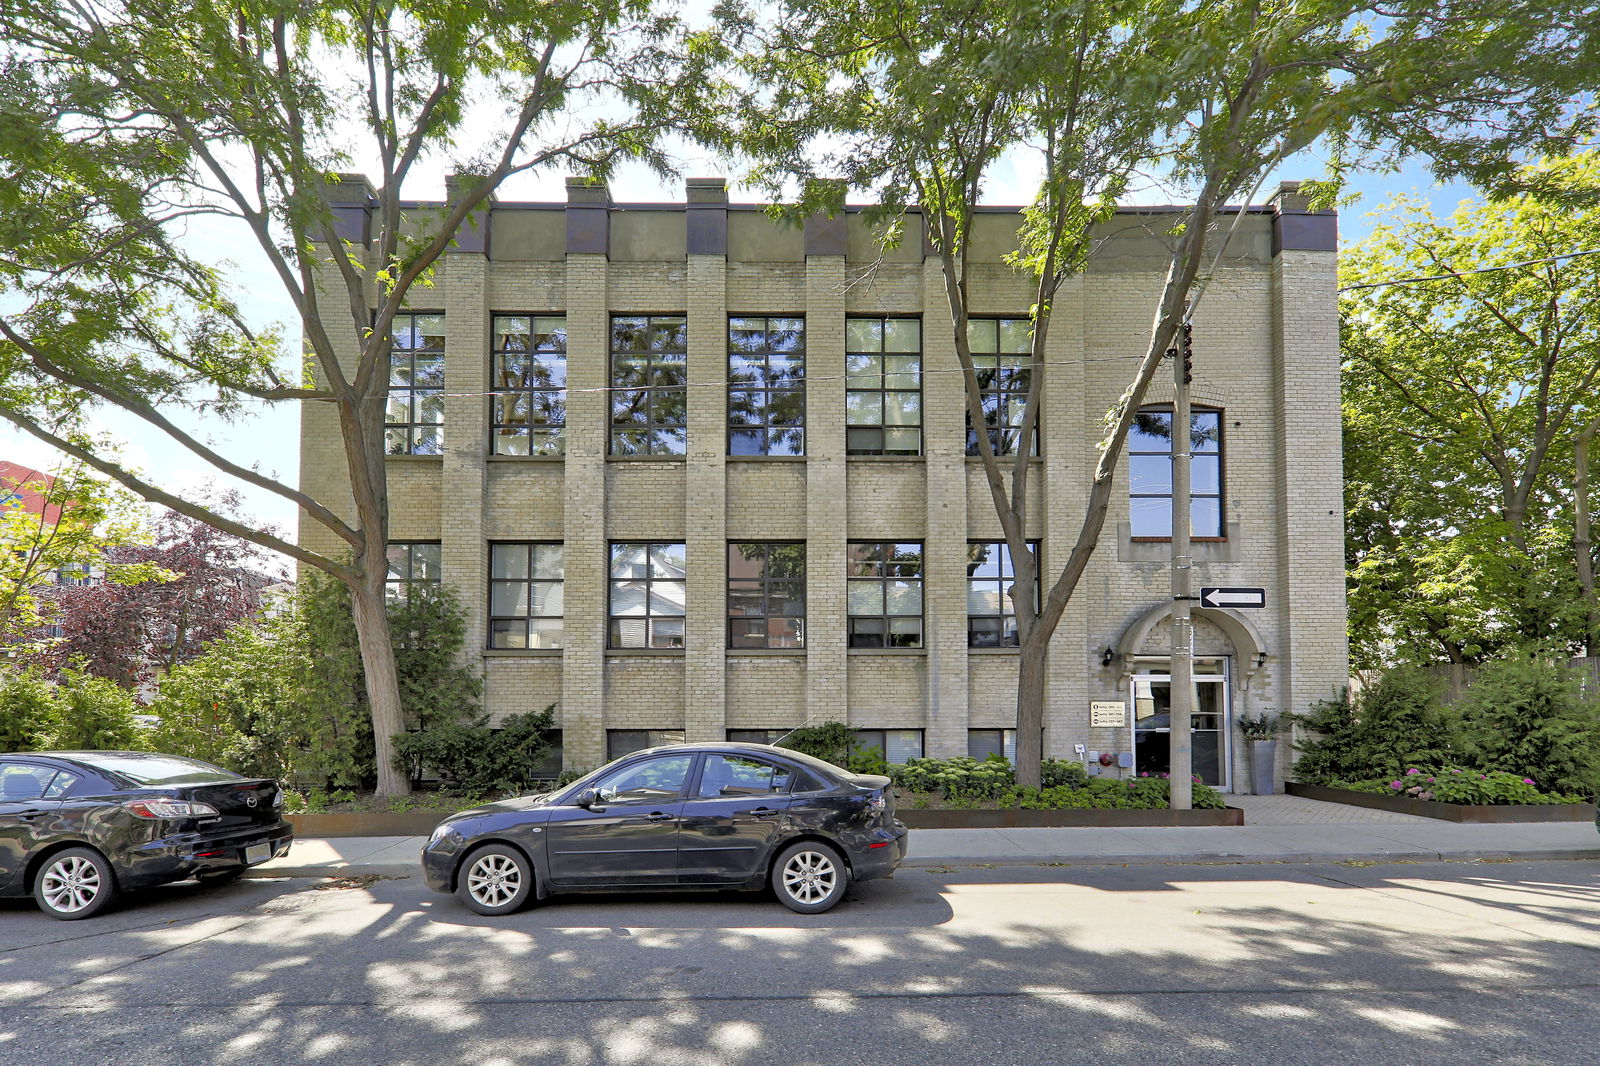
1208 725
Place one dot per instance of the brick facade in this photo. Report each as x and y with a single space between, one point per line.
1266 355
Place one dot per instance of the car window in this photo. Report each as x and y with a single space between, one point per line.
735 775
151 770
641 782
59 785
807 783
20 781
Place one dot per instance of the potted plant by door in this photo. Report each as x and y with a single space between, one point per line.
1261 733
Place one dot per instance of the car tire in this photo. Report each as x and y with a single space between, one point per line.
810 877
74 884
495 879
219 877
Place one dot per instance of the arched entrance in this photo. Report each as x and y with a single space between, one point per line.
1228 655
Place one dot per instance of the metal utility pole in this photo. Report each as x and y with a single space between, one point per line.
1181 704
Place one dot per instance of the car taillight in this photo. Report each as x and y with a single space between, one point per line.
168 808
277 798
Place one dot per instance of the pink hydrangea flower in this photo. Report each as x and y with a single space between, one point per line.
1527 780
1413 770
1396 785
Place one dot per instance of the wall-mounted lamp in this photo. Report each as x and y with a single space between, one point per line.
1261 660
1106 657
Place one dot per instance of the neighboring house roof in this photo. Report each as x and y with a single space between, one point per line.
16 491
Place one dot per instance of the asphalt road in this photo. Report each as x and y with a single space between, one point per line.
1296 964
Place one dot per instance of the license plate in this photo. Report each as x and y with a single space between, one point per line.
257 853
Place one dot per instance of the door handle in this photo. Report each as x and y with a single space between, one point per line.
763 812
32 814
659 816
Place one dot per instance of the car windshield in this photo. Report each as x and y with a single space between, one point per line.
160 769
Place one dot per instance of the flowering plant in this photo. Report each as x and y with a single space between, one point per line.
1452 784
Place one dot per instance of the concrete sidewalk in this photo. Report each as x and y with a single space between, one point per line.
1276 829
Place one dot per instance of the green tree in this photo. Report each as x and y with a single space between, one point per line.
1393 724
79 517
1464 400
919 102
124 123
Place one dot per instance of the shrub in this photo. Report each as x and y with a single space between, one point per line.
25 710
472 757
1393 723
1452 784
830 741
89 713
1530 718
962 778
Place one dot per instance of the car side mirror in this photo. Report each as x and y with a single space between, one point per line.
588 797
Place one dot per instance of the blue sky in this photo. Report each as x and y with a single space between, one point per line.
269 440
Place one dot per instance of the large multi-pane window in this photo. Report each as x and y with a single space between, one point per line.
620 742
897 746
526 594
991 613
528 412
647 594
1150 473
884 594
413 565
649 385
883 386
766 594
414 418
766 386
1002 355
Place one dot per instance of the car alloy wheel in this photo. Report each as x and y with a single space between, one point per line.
76 883
810 878
495 879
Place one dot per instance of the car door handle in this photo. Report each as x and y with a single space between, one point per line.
659 816
35 813
763 812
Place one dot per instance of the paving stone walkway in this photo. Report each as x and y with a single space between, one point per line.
1297 810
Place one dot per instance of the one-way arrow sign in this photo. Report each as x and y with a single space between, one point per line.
1222 597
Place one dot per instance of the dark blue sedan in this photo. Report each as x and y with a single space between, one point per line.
693 816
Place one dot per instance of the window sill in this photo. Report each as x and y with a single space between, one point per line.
793 653
978 459
645 653
408 458
525 458
766 458
1168 540
994 651
921 652
886 458
523 653
647 458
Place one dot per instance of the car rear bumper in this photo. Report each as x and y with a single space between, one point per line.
880 857
182 855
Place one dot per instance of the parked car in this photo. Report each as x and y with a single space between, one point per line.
691 816
79 827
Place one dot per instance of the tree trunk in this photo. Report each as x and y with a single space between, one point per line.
1030 708
1582 546
383 682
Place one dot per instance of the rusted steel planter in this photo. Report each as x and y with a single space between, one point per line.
1449 812
933 818
373 824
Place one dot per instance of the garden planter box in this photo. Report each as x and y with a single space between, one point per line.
372 824
934 818
1450 812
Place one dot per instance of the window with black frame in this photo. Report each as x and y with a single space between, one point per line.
766 594
991 613
883 386
413 421
766 385
649 385
648 589
527 584
528 408
1002 356
884 594
1150 474
412 565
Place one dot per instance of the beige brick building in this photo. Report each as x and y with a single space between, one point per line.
697 474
